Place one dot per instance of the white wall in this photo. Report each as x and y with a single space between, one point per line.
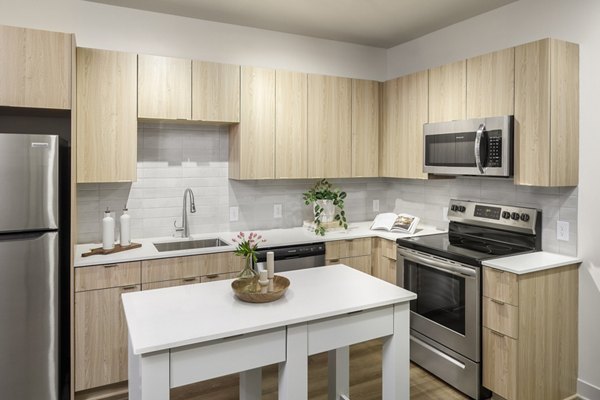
116 28
517 23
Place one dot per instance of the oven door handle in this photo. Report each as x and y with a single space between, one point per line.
477 148
437 264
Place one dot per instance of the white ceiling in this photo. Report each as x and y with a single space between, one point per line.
379 23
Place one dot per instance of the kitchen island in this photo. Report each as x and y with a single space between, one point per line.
186 334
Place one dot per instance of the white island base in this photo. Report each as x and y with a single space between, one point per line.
325 309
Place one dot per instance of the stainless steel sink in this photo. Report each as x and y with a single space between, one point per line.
189 244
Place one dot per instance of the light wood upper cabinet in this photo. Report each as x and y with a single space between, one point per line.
252 142
215 92
547 113
106 116
329 127
405 113
365 128
491 84
448 92
35 68
100 337
164 87
291 152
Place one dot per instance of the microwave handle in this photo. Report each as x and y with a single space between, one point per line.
477 148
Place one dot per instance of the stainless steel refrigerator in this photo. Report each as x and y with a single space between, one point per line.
29 267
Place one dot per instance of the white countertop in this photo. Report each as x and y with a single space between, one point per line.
171 317
274 237
531 262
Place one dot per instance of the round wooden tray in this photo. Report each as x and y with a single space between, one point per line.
248 290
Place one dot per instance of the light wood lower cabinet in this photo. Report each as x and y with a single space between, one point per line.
355 253
384 260
100 337
530 333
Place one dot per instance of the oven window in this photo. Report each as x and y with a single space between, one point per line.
440 295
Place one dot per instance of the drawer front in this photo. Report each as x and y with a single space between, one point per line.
362 263
500 364
249 351
171 283
107 276
347 248
344 330
501 285
501 317
388 249
166 269
218 277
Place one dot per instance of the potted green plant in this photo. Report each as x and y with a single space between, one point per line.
328 205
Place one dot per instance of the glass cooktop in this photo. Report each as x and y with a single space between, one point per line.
463 248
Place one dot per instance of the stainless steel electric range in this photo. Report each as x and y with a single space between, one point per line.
445 272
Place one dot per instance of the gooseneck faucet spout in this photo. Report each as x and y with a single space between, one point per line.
185 228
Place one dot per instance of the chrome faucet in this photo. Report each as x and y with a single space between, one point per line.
185 228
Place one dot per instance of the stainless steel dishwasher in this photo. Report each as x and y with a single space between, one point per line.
290 258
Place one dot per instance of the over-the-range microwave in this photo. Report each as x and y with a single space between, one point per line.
480 147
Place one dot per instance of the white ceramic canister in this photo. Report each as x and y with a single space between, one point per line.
124 226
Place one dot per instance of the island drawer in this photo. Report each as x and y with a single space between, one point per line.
249 351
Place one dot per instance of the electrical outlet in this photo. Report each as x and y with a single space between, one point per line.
562 231
445 214
375 205
234 214
276 210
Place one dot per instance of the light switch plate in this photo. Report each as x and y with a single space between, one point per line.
234 213
277 210
375 205
562 231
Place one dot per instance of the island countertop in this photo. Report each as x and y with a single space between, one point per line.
178 316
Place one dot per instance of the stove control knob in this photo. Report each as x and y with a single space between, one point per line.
454 208
515 216
524 217
461 208
505 215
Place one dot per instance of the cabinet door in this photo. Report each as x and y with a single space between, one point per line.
215 92
413 114
448 92
335 250
329 127
491 84
365 128
171 283
35 67
100 337
500 364
164 87
362 263
547 113
106 116
290 130
252 141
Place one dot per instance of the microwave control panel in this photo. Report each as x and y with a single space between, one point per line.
494 149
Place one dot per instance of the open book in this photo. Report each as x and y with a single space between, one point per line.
403 223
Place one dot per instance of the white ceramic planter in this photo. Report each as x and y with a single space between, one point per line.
328 213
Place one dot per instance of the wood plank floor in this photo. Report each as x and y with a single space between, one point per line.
365 380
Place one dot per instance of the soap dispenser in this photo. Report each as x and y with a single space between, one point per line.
124 226
108 231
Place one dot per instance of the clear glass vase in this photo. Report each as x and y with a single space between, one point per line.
248 272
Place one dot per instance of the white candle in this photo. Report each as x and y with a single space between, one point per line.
262 276
271 264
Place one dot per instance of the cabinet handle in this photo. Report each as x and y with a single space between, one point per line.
336 260
497 333
213 276
189 279
348 240
497 302
110 266
129 288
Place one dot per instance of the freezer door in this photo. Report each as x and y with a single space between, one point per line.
29 316
28 182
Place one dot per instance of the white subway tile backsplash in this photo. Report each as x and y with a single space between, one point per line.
173 157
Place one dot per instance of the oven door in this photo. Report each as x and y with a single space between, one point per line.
447 308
